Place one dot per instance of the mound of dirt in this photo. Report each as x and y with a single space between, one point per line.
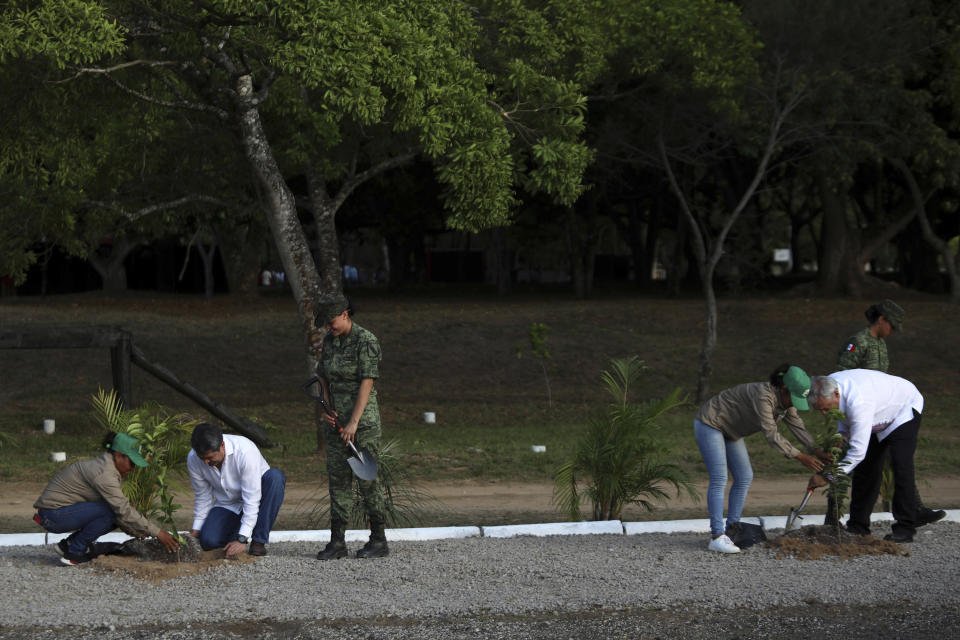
157 571
819 541
151 550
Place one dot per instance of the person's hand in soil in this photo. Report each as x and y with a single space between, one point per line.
810 462
816 481
234 548
168 541
195 533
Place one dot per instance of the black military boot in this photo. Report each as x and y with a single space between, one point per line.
337 547
376 547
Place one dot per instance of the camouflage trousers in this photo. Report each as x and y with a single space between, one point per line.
341 478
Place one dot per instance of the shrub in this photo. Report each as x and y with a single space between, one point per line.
618 460
404 501
164 443
832 442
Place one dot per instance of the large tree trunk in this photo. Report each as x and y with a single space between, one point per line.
838 272
328 246
709 342
291 242
207 255
949 257
111 267
241 252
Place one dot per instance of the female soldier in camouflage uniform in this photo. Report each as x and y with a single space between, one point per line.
868 349
348 365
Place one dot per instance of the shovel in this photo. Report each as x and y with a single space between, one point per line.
361 461
795 513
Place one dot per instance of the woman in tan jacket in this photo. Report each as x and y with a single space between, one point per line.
723 421
86 498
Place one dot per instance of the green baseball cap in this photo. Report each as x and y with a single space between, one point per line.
797 383
328 308
128 446
892 312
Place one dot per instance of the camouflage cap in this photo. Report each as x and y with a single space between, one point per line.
328 308
892 312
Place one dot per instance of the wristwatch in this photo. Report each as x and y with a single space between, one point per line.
241 539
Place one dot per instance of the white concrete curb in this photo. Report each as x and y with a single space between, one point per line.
554 529
505 531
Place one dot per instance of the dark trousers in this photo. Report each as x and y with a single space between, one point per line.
901 445
222 525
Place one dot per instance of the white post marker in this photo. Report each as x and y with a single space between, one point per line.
49 426
429 417
58 456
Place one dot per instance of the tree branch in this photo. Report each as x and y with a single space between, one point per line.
133 216
118 67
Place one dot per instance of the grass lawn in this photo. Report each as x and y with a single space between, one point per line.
455 354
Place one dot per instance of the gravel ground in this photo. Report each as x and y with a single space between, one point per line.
644 586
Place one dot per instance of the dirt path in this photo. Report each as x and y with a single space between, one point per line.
489 503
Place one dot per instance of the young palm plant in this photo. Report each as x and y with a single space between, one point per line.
164 443
618 460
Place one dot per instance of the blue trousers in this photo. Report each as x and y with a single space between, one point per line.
720 454
222 525
88 521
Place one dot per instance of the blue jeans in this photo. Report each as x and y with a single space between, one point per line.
719 454
222 525
88 521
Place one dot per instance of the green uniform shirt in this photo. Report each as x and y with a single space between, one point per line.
863 351
344 362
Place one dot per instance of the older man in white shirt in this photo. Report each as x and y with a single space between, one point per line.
236 493
882 414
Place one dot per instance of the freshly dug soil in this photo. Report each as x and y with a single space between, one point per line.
148 560
818 541
152 550
159 571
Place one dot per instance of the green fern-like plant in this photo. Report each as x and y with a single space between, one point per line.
164 443
405 502
618 460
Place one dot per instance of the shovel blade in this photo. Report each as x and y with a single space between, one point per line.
363 464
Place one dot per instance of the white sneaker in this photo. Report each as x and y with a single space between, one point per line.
723 544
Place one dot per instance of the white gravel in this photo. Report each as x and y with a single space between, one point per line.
476 577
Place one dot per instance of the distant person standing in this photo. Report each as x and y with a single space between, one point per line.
347 368
867 349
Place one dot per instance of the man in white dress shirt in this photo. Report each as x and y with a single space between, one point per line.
236 493
882 414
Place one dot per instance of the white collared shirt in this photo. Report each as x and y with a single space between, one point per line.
234 486
874 402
